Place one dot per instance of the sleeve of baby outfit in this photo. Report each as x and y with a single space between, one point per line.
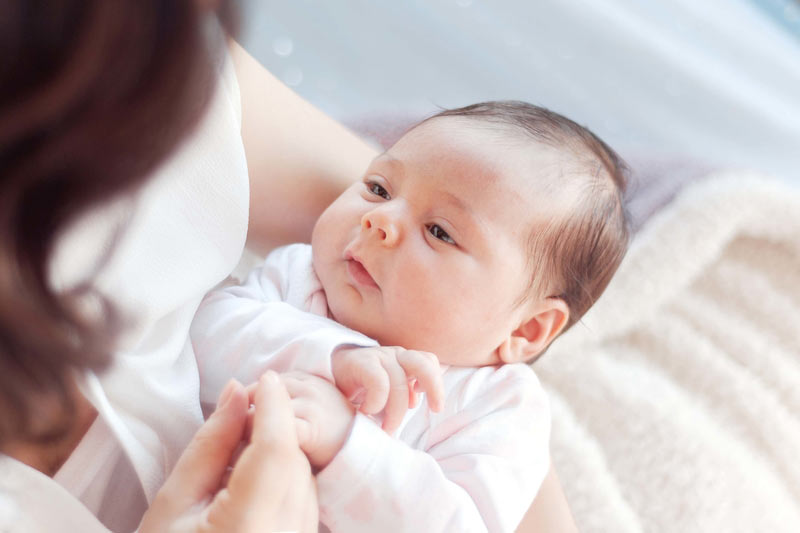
242 331
483 462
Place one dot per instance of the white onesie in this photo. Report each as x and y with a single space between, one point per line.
475 466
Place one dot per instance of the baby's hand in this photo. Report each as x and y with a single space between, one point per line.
322 416
388 378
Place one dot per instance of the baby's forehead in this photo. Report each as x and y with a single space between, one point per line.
541 178
480 160
543 156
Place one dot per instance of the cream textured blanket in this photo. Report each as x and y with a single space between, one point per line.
676 402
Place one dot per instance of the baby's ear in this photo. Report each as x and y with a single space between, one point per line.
536 332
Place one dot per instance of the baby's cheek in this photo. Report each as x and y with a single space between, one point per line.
427 320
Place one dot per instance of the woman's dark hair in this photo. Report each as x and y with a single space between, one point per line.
578 253
94 94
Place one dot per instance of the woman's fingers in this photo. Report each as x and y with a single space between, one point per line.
423 367
274 425
270 487
271 484
273 420
311 511
201 469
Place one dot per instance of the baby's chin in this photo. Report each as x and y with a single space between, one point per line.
387 336
357 322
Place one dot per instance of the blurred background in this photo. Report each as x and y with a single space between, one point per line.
692 428
709 83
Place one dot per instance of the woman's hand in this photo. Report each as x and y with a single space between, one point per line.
270 487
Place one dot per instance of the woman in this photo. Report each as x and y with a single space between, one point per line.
124 193
101 268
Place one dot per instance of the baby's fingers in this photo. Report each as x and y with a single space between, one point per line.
398 401
365 384
424 368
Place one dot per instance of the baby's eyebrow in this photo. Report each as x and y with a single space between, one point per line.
387 159
467 213
475 224
458 203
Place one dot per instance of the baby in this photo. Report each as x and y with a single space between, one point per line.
467 247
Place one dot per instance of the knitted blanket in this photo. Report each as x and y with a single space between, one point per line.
676 400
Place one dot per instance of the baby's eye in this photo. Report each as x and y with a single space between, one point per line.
440 234
378 190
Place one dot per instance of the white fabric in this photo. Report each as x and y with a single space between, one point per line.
181 234
275 320
31 502
87 472
675 402
475 466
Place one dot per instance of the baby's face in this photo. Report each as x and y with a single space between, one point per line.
428 250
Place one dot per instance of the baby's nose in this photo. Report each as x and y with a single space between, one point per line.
379 225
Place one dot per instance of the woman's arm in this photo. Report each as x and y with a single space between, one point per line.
549 512
299 159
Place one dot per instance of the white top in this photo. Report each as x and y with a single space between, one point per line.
185 232
475 466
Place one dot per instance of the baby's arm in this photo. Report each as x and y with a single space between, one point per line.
480 466
244 330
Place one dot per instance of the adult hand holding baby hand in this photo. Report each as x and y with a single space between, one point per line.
322 416
388 378
270 487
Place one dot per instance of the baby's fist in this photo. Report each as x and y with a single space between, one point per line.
323 416
388 378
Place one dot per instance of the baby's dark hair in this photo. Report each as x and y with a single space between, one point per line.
577 254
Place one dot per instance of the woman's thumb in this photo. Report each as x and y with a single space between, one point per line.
200 469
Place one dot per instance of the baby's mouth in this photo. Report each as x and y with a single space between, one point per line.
358 272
